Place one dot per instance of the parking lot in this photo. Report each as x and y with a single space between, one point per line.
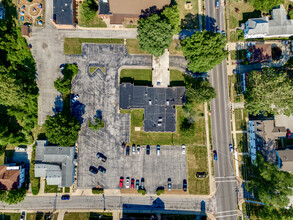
99 92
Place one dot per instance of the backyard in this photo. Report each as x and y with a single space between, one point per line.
196 160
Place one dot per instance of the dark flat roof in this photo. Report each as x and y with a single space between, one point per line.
63 12
158 104
104 8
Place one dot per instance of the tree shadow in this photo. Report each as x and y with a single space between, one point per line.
58 103
77 110
99 114
247 15
190 21
135 82
150 11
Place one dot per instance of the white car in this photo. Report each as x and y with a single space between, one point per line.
127 182
138 149
183 149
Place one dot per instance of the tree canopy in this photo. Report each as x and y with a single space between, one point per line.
154 34
269 92
63 84
13 196
172 14
265 5
204 50
89 9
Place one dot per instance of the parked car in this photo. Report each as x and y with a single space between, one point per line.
102 169
217 4
127 150
142 183
123 145
201 174
22 217
30 46
288 134
183 149
127 182
133 149
121 182
184 185
65 197
132 183
93 169
231 149
158 150
223 33
215 155
218 31
75 97
235 71
137 184
169 184
101 157
138 149
148 149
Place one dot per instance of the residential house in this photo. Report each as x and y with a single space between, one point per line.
128 11
64 13
25 31
11 176
285 160
259 53
278 26
55 163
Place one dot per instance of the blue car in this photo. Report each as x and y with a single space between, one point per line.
65 197
93 169
215 155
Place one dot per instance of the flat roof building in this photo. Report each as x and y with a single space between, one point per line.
63 11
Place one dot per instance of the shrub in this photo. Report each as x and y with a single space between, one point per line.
142 191
160 191
97 191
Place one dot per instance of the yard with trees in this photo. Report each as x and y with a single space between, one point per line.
265 5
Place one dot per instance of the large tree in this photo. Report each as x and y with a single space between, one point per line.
204 50
89 9
265 5
172 14
154 34
269 92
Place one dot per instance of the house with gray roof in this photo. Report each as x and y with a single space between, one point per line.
55 163
278 26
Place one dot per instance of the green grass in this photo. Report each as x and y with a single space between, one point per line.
196 160
242 143
166 138
251 210
238 54
175 48
10 216
96 22
73 45
188 17
67 189
177 78
236 36
86 216
136 76
131 26
97 191
52 188
40 216
240 116
35 181
92 69
2 159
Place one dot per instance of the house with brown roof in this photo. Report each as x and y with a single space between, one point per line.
11 177
25 31
128 11
259 53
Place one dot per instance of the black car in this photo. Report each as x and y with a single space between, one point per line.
127 150
201 174
101 157
169 184
65 197
184 185
102 169
142 183
93 169
148 149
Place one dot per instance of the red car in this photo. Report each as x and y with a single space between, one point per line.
121 182
132 183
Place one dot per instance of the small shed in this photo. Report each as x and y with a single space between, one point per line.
25 31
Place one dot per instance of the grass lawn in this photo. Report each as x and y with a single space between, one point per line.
86 216
67 189
92 69
188 17
240 116
73 45
35 181
238 54
96 22
197 161
177 78
166 138
175 48
245 12
40 216
136 76
10 216
236 36
2 159
242 142
52 189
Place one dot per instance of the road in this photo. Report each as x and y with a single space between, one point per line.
224 173
130 204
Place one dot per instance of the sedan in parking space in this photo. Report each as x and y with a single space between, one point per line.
137 184
184 185
215 155
138 149
127 182
101 157
183 149
132 183
148 149
65 197
158 150
102 169
169 184
22 215
127 150
123 145
142 183
201 174
133 149
121 182
93 169
231 149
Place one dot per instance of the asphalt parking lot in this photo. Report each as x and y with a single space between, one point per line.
99 92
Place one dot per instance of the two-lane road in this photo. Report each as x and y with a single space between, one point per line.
221 131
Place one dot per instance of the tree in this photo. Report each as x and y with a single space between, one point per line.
172 15
269 92
15 196
199 90
154 34
62 129
89 9
265 5
63 85
204 50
